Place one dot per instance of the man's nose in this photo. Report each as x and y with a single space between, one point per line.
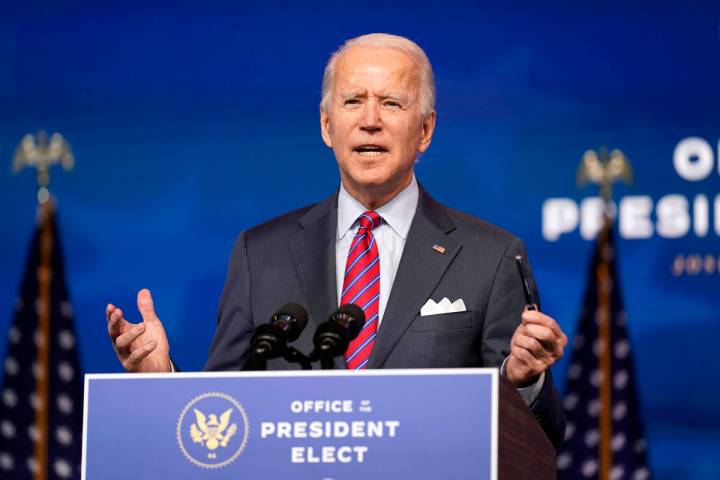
371 121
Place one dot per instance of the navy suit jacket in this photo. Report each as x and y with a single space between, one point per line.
292 259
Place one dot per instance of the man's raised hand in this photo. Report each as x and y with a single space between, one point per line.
537 343
140 347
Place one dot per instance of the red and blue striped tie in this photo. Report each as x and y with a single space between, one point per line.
361 286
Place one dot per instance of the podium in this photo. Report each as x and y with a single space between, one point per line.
525 450
324 425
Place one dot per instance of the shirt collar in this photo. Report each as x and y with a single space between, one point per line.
398 213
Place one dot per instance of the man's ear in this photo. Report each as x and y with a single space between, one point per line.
428 127
325 127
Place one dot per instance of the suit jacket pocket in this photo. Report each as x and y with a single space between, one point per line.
443 321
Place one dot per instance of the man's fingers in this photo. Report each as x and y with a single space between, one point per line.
537 317
146 306
115 320
138 355
541 332
132 347
532 365
532 345
123 341
551 345
546 337
530 317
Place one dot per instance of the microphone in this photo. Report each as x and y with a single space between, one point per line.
333 337
271 340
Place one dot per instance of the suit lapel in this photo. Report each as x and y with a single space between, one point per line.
420 270
313 253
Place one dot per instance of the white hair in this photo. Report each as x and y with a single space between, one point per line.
385 40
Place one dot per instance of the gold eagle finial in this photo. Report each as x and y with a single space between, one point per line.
42 152
604 169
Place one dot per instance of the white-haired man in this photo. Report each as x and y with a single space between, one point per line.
382 243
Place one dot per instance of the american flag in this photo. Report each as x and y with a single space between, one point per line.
41 399
617 451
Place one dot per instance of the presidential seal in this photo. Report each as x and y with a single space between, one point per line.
212 430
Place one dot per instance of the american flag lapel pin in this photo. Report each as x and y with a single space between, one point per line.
439 248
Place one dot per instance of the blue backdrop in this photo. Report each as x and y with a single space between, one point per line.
191 121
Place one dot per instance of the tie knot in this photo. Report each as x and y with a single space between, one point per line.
369 220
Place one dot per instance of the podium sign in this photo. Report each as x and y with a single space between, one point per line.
324 425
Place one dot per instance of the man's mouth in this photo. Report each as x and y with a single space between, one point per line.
370 150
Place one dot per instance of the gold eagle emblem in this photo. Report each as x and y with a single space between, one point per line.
211 432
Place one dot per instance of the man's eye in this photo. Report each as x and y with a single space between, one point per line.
392 104
352 101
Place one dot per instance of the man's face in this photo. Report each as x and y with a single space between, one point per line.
374 124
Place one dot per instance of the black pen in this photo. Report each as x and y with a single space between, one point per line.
529 297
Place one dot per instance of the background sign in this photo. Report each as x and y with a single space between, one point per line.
425 424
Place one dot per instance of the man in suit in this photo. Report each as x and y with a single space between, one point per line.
381 242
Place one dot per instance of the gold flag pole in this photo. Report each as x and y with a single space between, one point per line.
40 152
604 169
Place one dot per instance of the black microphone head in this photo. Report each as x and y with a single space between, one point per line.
270 340
292 319
350 316
333 337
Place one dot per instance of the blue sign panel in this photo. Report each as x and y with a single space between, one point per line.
421 424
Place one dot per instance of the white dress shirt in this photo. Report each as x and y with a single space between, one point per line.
390 236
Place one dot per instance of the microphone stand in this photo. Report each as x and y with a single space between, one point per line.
291 354
294 355
323 353
259 359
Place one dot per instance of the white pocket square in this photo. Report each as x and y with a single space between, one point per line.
443 306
